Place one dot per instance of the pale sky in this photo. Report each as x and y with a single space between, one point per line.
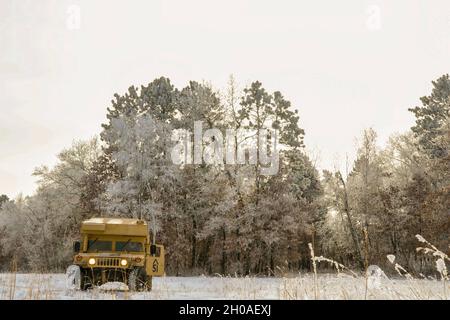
346 65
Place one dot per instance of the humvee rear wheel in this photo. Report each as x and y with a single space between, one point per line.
138 280
148 283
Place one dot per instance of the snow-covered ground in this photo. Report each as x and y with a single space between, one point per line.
328 286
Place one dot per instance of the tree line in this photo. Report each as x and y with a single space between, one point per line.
230 218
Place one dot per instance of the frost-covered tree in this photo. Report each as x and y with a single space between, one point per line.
38 231
432 119
146 174
3 198
198 102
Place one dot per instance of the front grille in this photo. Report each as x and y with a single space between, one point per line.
108 262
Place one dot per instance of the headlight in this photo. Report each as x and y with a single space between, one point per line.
91 261
123 262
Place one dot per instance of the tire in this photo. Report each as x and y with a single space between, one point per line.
139 281
86 282
149 283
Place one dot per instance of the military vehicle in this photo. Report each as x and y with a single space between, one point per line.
115 250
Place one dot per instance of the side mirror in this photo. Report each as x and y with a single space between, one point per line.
152 249
76 246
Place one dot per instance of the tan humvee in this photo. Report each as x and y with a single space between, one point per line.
115 249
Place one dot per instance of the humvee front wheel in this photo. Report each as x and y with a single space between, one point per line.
139 281
86 282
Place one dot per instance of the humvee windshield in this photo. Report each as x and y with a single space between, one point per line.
130 246
99 245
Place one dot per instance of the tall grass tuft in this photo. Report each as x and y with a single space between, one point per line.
440 256
313 260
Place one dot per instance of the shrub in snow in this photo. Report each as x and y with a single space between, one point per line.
374 276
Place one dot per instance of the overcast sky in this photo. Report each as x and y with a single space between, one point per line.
346 65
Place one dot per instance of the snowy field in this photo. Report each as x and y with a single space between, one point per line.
328 286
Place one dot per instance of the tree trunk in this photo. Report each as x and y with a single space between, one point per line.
194 243
350 224
224 252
